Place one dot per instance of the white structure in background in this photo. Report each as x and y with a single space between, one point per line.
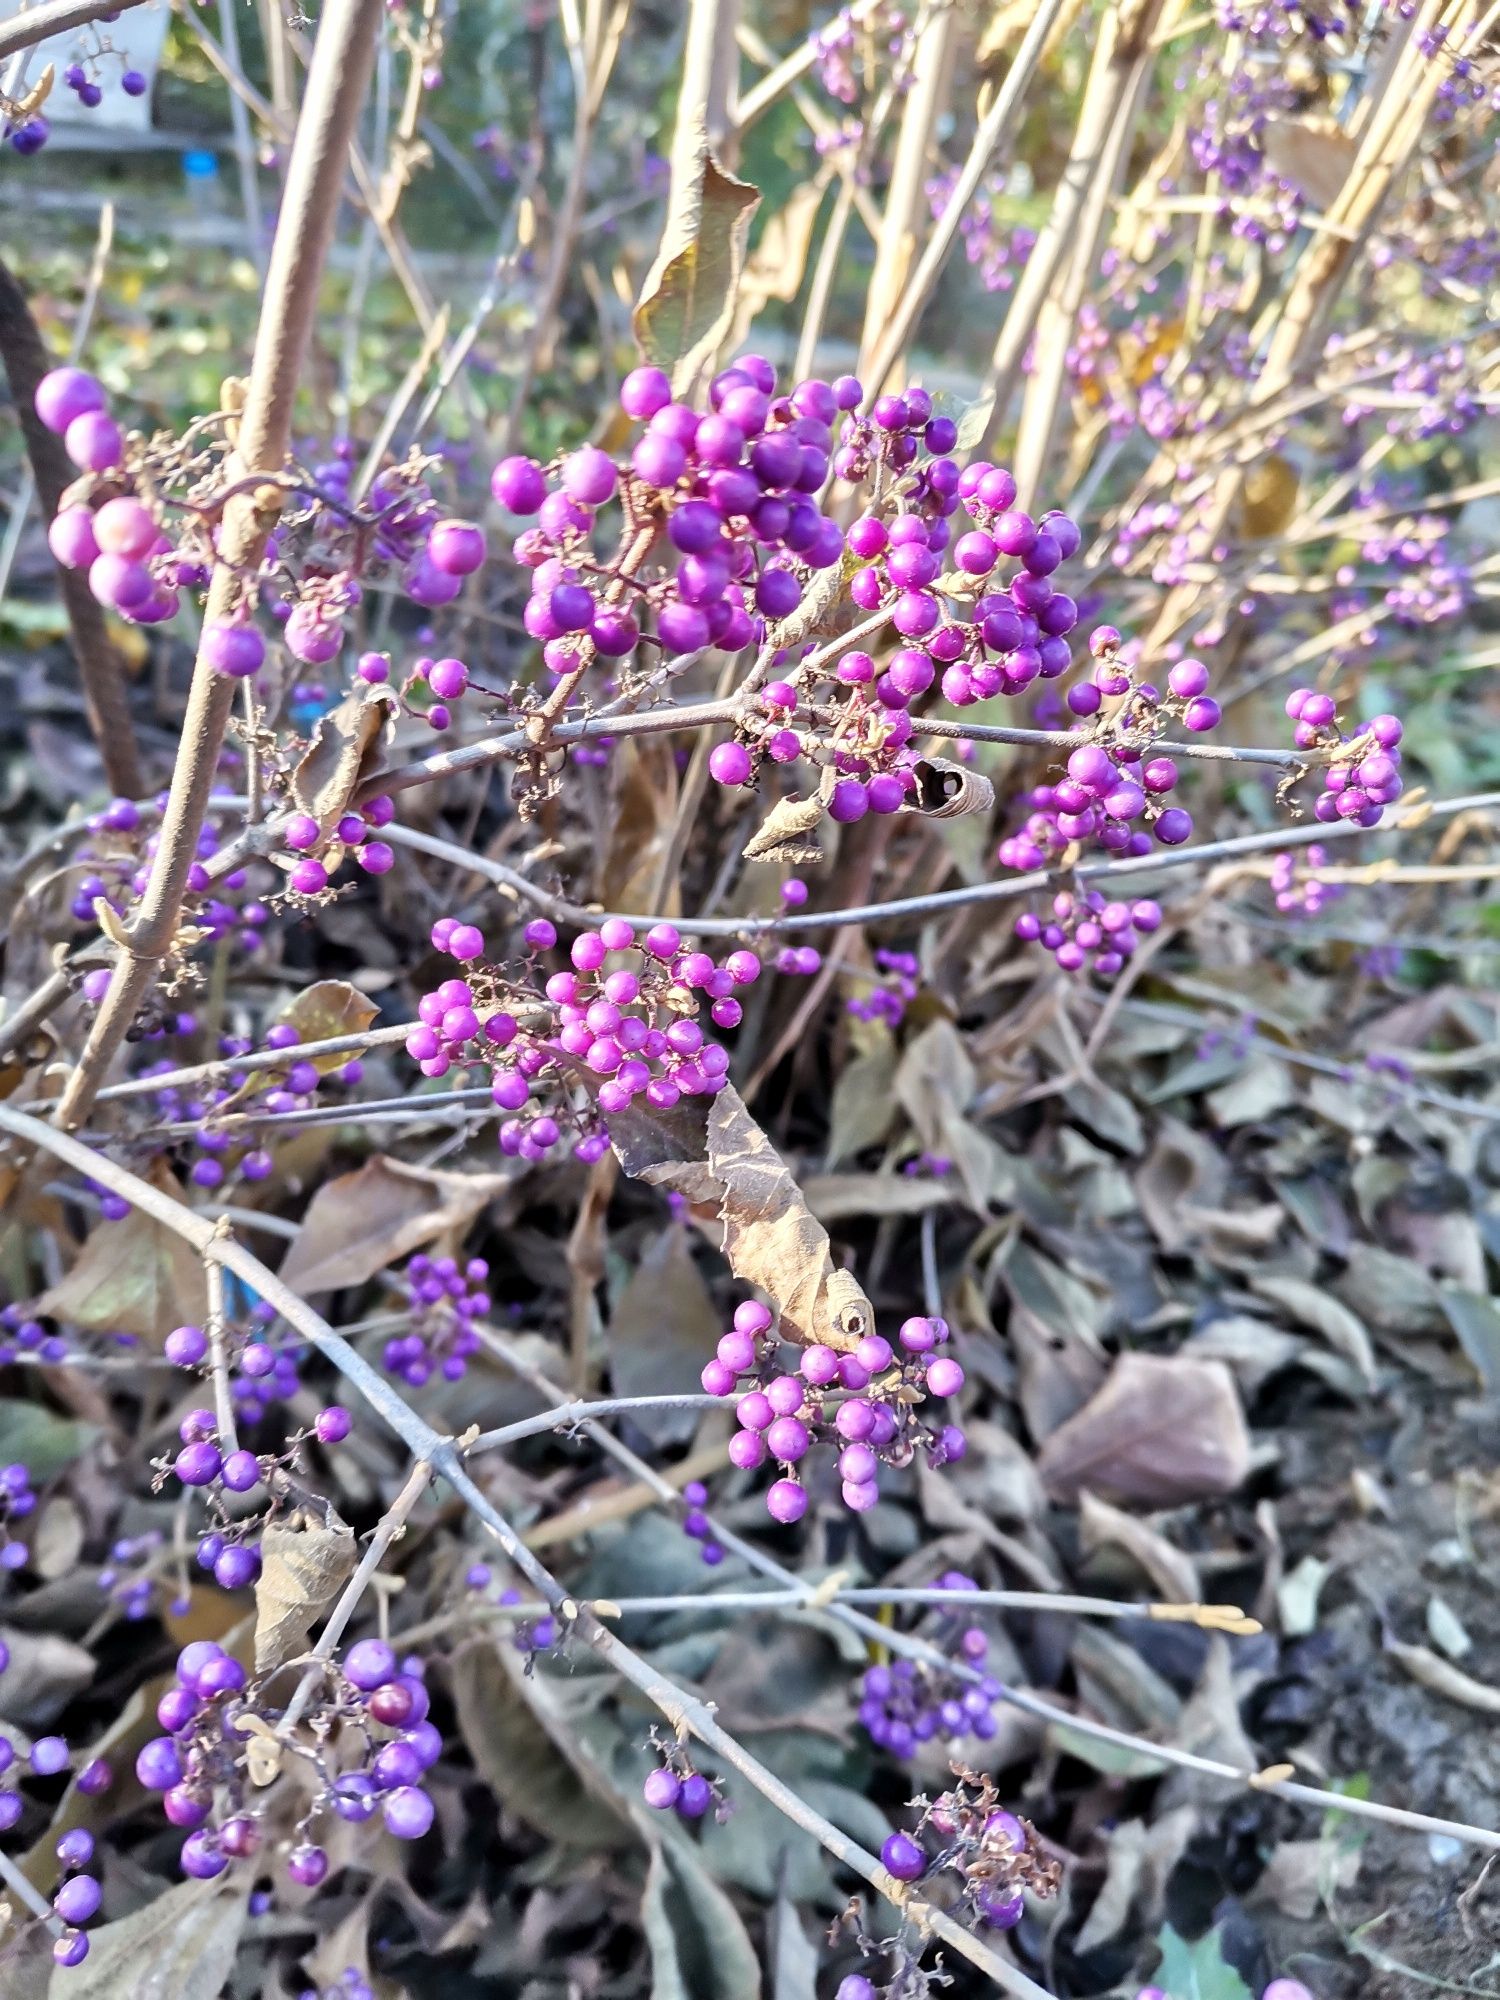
136 39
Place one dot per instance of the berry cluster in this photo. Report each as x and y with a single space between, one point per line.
674 1786
1363 771
17 1500
874 1422
131 1577
22 1335
266 1360
695 1522
351 1985
994 1853
592 1039
733 488
28 129
911 1702
529 1635
366 1742
48 1757
444 1300
349 837
1298 894
317 558
221 1468
1089 923
893 990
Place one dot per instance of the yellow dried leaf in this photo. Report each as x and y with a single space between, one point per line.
1270 495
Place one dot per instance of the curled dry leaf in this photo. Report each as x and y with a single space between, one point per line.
306 1559
719 1160
788 834
1445 1679
945 789
343 752
1160 1431
1172 1572
359 1223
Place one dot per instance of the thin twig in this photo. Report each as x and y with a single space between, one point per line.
391 1524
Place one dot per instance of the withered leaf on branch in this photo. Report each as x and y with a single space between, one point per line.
719 1160
946 790
688 300
342 753
788 834
306 1559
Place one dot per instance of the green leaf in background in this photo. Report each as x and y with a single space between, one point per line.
42 1442
1196 1971
699 1947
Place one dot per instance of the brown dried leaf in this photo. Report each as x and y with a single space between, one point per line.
1169 1569
1311 1306
1269 495
1161 1430
774 268
57 1537
45 1672
1053 1330
343 752
359 1223
133 1276
1312 154
787 834
1449 1681
936 1083
720 1161
644 775
305 1562
835 1197
529 1751
327 1008
864 1102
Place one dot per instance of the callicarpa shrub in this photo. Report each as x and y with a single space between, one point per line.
672 1042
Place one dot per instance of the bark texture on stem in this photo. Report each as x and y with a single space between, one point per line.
343 57
26 30
99 664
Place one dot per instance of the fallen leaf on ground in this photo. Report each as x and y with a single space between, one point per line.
132 1276
1160 1431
